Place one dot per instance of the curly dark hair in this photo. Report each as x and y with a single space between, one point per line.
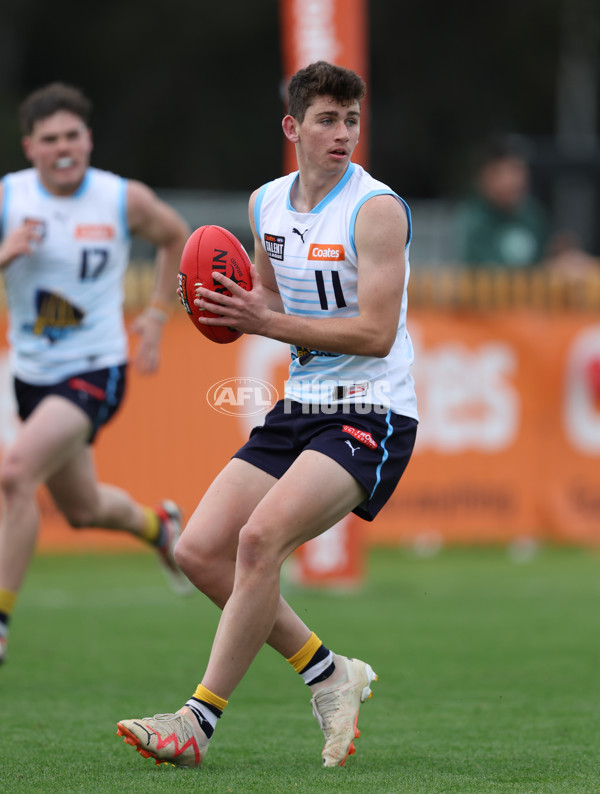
49 100
323 79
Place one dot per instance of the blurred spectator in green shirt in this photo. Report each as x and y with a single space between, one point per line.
501 223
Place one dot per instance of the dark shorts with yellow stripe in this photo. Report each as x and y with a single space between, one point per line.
98 393
372 443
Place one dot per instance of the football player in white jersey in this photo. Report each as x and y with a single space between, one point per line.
64 247
330 278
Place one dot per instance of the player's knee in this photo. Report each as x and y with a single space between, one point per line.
79 517
257 548
8 478
194 560
183 555
14 479
210 573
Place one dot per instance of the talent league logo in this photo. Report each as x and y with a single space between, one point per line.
274 246
37 226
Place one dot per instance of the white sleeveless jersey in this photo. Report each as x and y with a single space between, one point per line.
65 300
314 258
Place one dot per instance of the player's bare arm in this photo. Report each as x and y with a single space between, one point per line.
155 221
380 235
18 243
158 223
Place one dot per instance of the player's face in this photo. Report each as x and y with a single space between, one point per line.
59 147
329 133
505 182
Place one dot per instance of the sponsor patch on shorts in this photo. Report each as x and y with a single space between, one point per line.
361 436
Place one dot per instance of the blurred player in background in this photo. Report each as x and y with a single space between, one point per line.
64 249
331 280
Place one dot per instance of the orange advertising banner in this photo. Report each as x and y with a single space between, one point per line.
509 439
328 30
508 444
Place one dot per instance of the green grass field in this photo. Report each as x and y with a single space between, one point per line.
489 679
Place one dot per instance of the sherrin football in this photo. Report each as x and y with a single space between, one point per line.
212 249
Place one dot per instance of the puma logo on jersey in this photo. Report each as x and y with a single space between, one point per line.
299 233
354 449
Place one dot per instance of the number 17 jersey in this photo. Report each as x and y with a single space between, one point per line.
65 300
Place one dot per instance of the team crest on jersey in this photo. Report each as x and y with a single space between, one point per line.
56 316
37 226
274 246
305 355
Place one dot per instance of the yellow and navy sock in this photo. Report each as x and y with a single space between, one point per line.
7 603
153 532
313 661
207 708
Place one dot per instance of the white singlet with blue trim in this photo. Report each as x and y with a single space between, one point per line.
314 258
65 300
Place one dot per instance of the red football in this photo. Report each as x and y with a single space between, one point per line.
212 249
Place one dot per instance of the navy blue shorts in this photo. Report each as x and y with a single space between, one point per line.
374 446
98 393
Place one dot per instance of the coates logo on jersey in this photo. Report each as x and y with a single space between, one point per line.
326 253
94 231
361 436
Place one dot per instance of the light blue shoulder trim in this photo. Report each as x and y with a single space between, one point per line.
288 201
85 182
382 192
408 218
41 188
5 200
123 207
257 205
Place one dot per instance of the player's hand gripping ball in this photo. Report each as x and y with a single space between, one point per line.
212 249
